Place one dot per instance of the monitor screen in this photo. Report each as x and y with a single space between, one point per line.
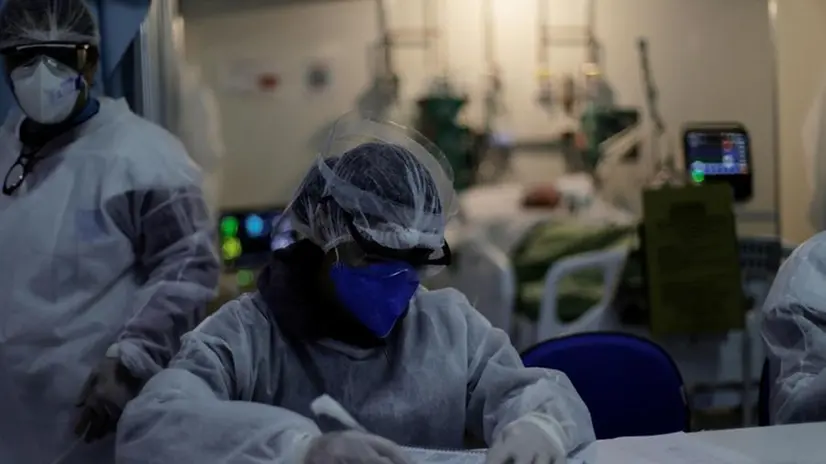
711 153
720 153
248 236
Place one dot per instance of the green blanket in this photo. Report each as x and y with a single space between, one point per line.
549 242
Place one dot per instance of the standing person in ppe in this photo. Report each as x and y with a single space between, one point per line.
342 312
794 314
794 328
105 245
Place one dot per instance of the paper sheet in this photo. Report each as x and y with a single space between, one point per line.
426 456
677 448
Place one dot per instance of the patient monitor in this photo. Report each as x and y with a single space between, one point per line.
719 153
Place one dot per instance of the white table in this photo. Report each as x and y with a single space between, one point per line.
786 444
782 444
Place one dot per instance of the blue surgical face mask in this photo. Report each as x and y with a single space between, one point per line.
376 294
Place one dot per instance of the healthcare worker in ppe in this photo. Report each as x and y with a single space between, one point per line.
106 255
794 314
794 328
342 313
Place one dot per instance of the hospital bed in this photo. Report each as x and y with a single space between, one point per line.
489 271
494 229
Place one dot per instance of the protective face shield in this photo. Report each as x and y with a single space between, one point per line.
386 191
379 181
375 283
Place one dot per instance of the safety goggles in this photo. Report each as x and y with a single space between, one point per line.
73 55
417 257
373 252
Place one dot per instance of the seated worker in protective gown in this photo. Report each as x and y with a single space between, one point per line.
341 312
794 328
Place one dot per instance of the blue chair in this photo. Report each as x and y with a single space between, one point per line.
764 395
630 384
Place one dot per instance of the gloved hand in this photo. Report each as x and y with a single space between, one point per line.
109 387
529 440
353 447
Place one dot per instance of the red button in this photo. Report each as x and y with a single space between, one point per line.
268 82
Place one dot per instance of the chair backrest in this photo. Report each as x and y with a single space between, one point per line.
630 384
764 395
610 262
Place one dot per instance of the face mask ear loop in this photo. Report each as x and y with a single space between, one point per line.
83 86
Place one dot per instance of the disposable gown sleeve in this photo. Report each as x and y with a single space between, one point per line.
501 389
200 409
794 328
173 239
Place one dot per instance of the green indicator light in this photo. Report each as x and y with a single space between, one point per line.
244 278
229 226
698 176
231 248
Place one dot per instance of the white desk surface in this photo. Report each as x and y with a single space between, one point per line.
784 444
781 444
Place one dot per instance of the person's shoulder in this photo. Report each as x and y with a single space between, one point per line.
809 257
453 317
815 246
244 316
441 297
447 305
801 280
144 152
123 125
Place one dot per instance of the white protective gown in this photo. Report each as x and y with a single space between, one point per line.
237 392
794 328
107 243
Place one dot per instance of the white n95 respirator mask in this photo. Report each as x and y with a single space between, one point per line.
47 91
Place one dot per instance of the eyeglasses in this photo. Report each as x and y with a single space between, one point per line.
17 173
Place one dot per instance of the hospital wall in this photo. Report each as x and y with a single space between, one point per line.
800 25
711 59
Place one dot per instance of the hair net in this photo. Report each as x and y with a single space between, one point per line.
390 183
24 22
794 328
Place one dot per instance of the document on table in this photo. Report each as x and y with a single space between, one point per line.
429 456
676 448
